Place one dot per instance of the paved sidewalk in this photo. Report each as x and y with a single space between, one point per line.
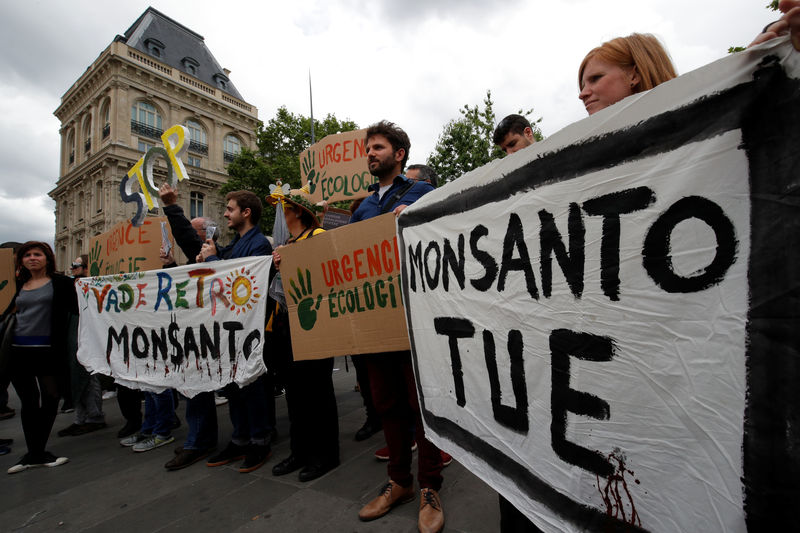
108 488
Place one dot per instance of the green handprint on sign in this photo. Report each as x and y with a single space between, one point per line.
310 173
306 310
3 284
94 255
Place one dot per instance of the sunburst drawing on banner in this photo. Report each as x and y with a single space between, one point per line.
241 289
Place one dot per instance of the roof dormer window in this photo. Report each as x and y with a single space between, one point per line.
190 65
154 47
221 80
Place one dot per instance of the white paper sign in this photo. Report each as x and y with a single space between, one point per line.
194 328
605 325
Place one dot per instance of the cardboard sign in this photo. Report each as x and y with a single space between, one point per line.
128 248
194 328
605 325
335 218
343 291
7 279
175 147
335 168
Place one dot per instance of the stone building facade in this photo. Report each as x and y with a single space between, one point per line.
158 74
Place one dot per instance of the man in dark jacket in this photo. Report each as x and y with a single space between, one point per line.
250 405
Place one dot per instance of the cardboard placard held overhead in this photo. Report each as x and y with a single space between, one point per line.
343 291
7 281
605 325
128 248
335 168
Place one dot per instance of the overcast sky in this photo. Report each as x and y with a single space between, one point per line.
414 62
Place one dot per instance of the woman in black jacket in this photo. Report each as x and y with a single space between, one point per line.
43 303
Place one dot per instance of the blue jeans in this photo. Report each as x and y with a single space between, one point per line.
201 417
159 413
252 411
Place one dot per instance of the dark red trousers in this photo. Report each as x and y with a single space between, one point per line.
394 393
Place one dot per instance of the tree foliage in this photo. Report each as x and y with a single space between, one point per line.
279 144
773 6
466 143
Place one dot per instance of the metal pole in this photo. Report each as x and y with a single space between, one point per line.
311 104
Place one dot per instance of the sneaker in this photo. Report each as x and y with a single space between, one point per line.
67 407
232 452
6 412
279 391
134 439
383 453
109 394
255 458
446 458
50 460
23 464
220 400
128 429
152 442
4 450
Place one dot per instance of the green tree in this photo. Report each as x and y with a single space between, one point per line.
279 144
466 143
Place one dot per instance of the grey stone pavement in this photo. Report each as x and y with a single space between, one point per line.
108 488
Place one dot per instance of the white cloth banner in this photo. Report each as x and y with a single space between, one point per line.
605 325
193 328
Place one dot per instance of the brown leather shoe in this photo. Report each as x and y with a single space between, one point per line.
391 495
431 516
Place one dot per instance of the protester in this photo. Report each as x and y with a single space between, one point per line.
86 391
201 412
249 406
622 67
419 172
159 416
789 24
43 304
314 419
513 133
391 374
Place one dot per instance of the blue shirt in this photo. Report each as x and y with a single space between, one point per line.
371 206
250 244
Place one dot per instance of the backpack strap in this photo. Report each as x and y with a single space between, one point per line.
397 196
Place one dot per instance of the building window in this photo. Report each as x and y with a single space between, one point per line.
155 47
194 161
87 135
198 141
190 65
221 80
98 196
144 146
196 204
232 147
145 120
71 145
79 207
106 114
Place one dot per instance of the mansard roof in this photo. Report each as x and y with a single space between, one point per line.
170 42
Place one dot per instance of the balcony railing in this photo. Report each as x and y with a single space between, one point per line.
229 156
140 128
198 147
106 130
87 145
